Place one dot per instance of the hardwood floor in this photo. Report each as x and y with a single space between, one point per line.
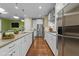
39 48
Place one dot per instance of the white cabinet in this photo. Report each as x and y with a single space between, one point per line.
29 42
51 40
18 47
60 6
23 44
8 50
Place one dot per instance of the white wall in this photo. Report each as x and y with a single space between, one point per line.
35 22
28 24
39 21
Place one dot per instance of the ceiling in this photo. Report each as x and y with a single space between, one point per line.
33 10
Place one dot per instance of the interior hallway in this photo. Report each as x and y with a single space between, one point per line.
39 48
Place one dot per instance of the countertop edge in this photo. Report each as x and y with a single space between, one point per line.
15 39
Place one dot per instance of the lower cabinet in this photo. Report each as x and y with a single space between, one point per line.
51 39
8 50
23 45
18 47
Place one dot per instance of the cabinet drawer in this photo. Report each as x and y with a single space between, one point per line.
12 52
4 50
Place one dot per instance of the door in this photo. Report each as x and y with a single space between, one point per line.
40 30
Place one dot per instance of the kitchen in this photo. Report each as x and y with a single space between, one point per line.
18 28
21 24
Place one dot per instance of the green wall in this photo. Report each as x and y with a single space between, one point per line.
6 24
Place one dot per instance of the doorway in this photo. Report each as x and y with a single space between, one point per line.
40 30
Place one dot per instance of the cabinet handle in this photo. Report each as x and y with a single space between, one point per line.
12 53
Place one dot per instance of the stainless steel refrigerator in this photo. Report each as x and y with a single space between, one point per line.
40 30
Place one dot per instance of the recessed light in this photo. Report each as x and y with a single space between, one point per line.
16 7
40 7
16 17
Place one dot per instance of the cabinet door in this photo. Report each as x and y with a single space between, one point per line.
51 40
6 49
58 8
24 46
29 41
54 46
12 52
19 47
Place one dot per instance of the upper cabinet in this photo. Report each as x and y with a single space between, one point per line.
51 16
60 6
51 19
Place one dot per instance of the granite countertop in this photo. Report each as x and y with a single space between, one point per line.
4 42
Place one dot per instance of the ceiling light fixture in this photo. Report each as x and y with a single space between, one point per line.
2 10
16 6
40 7
16 17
